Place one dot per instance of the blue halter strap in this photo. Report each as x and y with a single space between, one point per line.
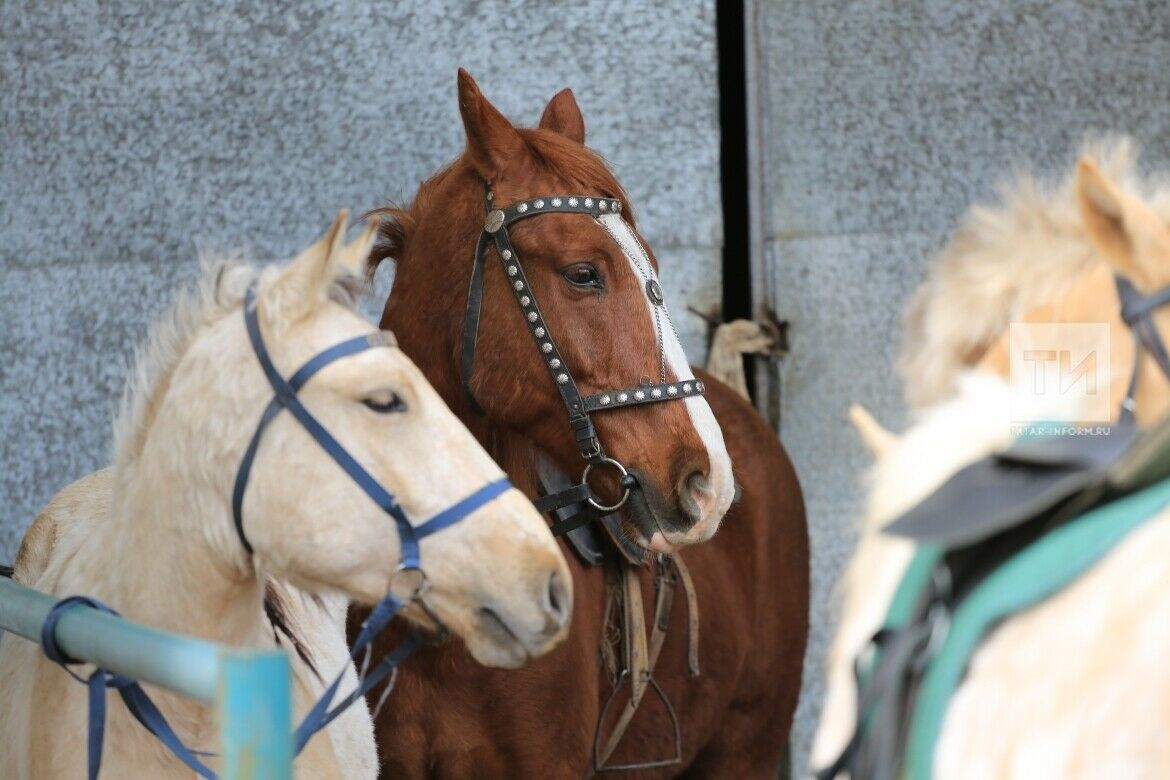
320 716
286 398
135 698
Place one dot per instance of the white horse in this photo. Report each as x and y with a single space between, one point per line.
1077 686
153 536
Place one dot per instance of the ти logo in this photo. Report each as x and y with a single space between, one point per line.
1060 372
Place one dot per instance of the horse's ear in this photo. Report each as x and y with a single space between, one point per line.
352 257
394 229
492 141
1125 230
304 284
563 115
876 439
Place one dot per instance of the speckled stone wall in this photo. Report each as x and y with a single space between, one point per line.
132 135
882 122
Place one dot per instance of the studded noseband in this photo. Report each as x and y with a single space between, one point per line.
578 406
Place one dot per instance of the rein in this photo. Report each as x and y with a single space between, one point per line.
579 407
320 715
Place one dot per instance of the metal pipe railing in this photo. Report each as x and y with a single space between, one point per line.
250 688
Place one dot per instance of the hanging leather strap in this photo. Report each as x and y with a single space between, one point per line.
641 659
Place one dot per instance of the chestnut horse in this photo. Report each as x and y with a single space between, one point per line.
453 718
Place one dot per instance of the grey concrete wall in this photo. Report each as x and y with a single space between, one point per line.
133 134
881 122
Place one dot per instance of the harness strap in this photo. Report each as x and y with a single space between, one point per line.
578 406
380 616
640 660
285 397
132 694
1136 311
684 576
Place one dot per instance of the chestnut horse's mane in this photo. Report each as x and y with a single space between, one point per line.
583 170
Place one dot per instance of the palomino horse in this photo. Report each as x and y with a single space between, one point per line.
1074 687
154 535
598 293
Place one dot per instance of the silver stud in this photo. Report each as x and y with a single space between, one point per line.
698 387
513 270
573 202
605 399
539 333
623 397
639 395
494 221
656 393
525 300
556 202
507 254
589 203
522 208
490 195
562 379
539 204
555 363
603 204
518 285
617 206
546 348
687 387
532 316
672 390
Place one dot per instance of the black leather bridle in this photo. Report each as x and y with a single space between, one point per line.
1137 312
578 406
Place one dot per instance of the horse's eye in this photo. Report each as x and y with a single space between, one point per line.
385 403
583 275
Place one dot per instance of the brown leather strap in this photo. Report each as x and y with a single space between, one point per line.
684 574
636 656
640 662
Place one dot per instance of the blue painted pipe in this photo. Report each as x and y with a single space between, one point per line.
251 688
188 666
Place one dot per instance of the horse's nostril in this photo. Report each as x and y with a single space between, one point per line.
697 484
696 496
558 599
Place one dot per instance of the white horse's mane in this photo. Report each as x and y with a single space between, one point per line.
219 291
1005 259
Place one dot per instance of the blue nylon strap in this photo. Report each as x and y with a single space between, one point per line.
453 514
286 398
132 694
298 380
320 715
286 391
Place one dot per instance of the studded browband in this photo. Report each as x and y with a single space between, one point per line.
579 407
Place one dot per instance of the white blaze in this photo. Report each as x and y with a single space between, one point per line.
702 418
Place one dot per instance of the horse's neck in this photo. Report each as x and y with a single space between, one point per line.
170 564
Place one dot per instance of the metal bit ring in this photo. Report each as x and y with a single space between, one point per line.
593 502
